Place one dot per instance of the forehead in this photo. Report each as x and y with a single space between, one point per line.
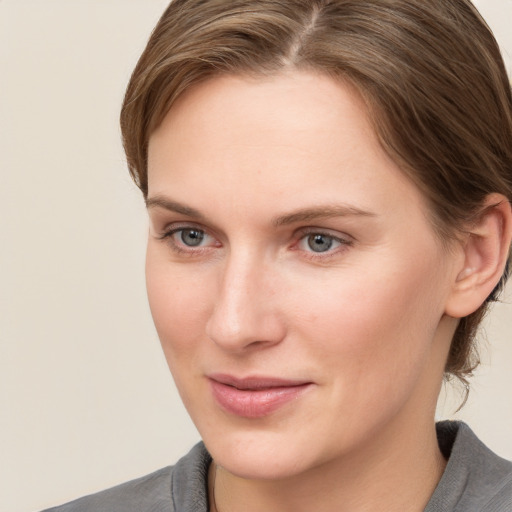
292 101
295 138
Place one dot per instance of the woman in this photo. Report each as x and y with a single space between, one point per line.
329 205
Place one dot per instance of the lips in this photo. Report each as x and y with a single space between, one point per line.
254 397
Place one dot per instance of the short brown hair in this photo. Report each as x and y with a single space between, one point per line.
430 72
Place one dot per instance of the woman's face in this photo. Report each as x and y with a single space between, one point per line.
295 280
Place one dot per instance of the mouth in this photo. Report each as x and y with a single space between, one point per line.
255 397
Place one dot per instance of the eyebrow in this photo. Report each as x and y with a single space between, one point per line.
173 206
302 215
321 212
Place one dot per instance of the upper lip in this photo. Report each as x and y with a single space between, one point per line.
256 382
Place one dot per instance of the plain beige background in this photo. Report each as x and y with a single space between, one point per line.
86 400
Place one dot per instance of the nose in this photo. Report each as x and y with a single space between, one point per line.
246 314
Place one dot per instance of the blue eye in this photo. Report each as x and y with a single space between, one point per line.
191 237
189 240
320 243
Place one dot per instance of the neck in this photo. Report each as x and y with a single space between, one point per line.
391 473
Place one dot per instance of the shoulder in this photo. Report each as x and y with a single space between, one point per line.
150 492
475 478
162 490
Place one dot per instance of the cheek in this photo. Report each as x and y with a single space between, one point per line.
373 325
179 303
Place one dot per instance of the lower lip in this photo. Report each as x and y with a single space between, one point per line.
255 403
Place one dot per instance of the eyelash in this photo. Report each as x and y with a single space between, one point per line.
303 235
168 236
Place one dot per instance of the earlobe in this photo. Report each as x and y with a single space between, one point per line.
486 248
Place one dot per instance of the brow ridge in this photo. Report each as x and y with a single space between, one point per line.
302 215
173 206
309 214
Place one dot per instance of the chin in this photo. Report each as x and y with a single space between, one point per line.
262 455
255 466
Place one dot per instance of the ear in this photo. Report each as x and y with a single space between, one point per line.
485 249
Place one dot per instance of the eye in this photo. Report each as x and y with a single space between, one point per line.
321 243
190 237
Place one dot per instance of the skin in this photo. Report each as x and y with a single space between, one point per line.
365 321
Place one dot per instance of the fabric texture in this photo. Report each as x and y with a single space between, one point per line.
475 480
